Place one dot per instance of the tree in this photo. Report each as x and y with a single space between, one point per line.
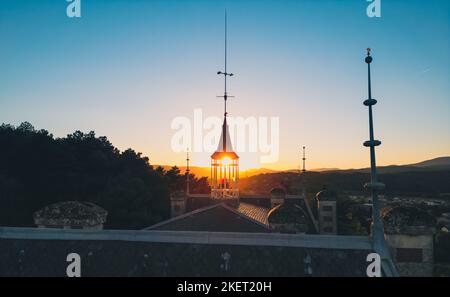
37 169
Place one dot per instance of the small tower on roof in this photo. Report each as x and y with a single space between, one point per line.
187 172
302 173
224 161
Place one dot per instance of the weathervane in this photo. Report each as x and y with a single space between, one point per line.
225 73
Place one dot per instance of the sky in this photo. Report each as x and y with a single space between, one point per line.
127 69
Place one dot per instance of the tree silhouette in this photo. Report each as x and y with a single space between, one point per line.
36 169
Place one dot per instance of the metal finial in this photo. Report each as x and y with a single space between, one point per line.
369 57
187 159
187 171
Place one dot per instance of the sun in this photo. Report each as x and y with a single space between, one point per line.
226 161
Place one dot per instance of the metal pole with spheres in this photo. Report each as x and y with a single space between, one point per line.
374 186
379 242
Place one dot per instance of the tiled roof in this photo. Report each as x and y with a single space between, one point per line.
254 212
218 217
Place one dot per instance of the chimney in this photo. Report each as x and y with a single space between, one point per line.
177 203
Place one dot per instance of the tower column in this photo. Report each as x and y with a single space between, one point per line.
224 162
379 242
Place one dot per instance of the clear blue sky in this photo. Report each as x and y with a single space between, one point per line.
126 68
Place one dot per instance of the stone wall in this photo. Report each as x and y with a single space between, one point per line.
179 255
423 242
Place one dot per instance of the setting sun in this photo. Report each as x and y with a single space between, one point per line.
226 161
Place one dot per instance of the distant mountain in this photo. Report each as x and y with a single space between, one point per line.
256 171
314 169
441 163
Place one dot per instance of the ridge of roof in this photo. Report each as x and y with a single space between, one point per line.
206 208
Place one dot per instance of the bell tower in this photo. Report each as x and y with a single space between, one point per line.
224 161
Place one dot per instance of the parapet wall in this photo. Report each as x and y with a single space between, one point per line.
43 252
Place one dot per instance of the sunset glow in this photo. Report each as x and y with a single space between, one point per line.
136 78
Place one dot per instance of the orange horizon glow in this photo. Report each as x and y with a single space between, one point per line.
245 169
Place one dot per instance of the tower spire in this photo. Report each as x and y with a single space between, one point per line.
224 161
374 185
303 170
304 159
187 172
